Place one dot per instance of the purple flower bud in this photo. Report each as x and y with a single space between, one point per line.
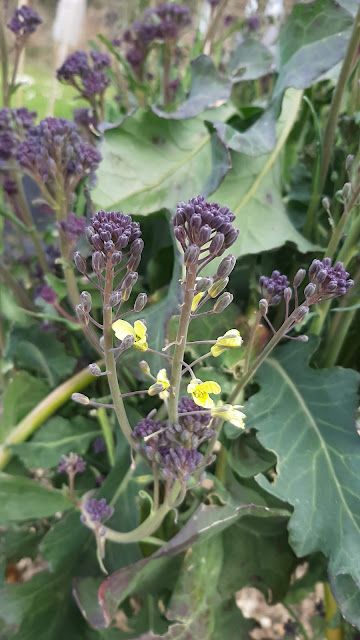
115 298
302 312
137 247
204 234
116 258
98 510
85 301
98 262
263 306
222 302
191 255
313 267
217 245
24 21
287 294
71 464
231 237
321 276
140 302
299 277
126 343
310 290
94 370
226 266
83 318
203 284
80 398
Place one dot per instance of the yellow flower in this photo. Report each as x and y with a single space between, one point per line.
229 412
200 392
230 340
123 329
196 300
155 389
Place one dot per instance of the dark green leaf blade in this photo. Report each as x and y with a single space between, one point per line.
307 418
22 499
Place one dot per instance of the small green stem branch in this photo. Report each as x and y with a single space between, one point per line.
338 231
107 433
296 617
110 360
181 337
43 411
246 377
346 69
146 528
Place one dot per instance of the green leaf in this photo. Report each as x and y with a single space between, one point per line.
41 609
57 437
250 60
196 590
144 574
41 353
22 395
168 161
247 456
260 547
312 41
307 417
253 191
23 499
257 140
208 89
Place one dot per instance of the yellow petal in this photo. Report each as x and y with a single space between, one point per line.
216 350
141 345
139 329
162 377
193 385
211 387
123 329
196 300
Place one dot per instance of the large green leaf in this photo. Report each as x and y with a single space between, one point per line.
307 417
250 60
22 395
41 609
41 353
257 140
312 41
22 499
208 89
57 437
260 547
149 163
253 191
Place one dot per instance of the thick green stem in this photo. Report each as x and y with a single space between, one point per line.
335 346
18 291
28 219
110 360
107 433
350 244
181 337
146 528
251 341
4 57
43 411
331 609
345 72
166 73
221 460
